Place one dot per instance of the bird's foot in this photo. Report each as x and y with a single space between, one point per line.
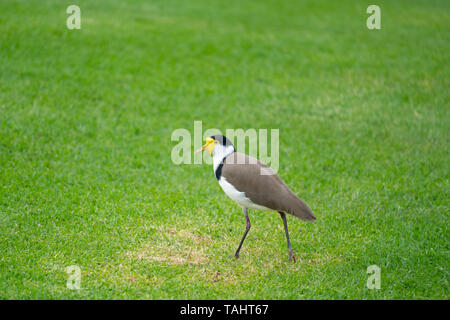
236 255
292 258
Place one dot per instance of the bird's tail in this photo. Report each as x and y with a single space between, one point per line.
297 207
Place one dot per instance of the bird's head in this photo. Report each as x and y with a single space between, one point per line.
217 144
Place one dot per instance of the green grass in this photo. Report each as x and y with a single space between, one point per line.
86 118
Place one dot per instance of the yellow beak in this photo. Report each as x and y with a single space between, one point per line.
209 144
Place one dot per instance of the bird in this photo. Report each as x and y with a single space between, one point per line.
252 184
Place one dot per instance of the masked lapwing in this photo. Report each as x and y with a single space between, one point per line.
253 185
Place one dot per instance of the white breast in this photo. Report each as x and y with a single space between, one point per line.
239 197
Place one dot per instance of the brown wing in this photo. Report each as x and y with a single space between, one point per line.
263 186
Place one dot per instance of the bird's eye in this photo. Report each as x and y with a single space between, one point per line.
216 142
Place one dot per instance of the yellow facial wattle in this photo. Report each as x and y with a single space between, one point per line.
211 147
210 142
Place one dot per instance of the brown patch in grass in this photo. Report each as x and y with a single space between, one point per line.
185 234
175 247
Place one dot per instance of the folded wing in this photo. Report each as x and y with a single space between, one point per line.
263 186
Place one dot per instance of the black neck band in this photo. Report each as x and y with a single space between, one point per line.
219 171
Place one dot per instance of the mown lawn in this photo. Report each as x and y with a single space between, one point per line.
86 118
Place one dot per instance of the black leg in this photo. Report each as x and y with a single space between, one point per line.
291 251
247 228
